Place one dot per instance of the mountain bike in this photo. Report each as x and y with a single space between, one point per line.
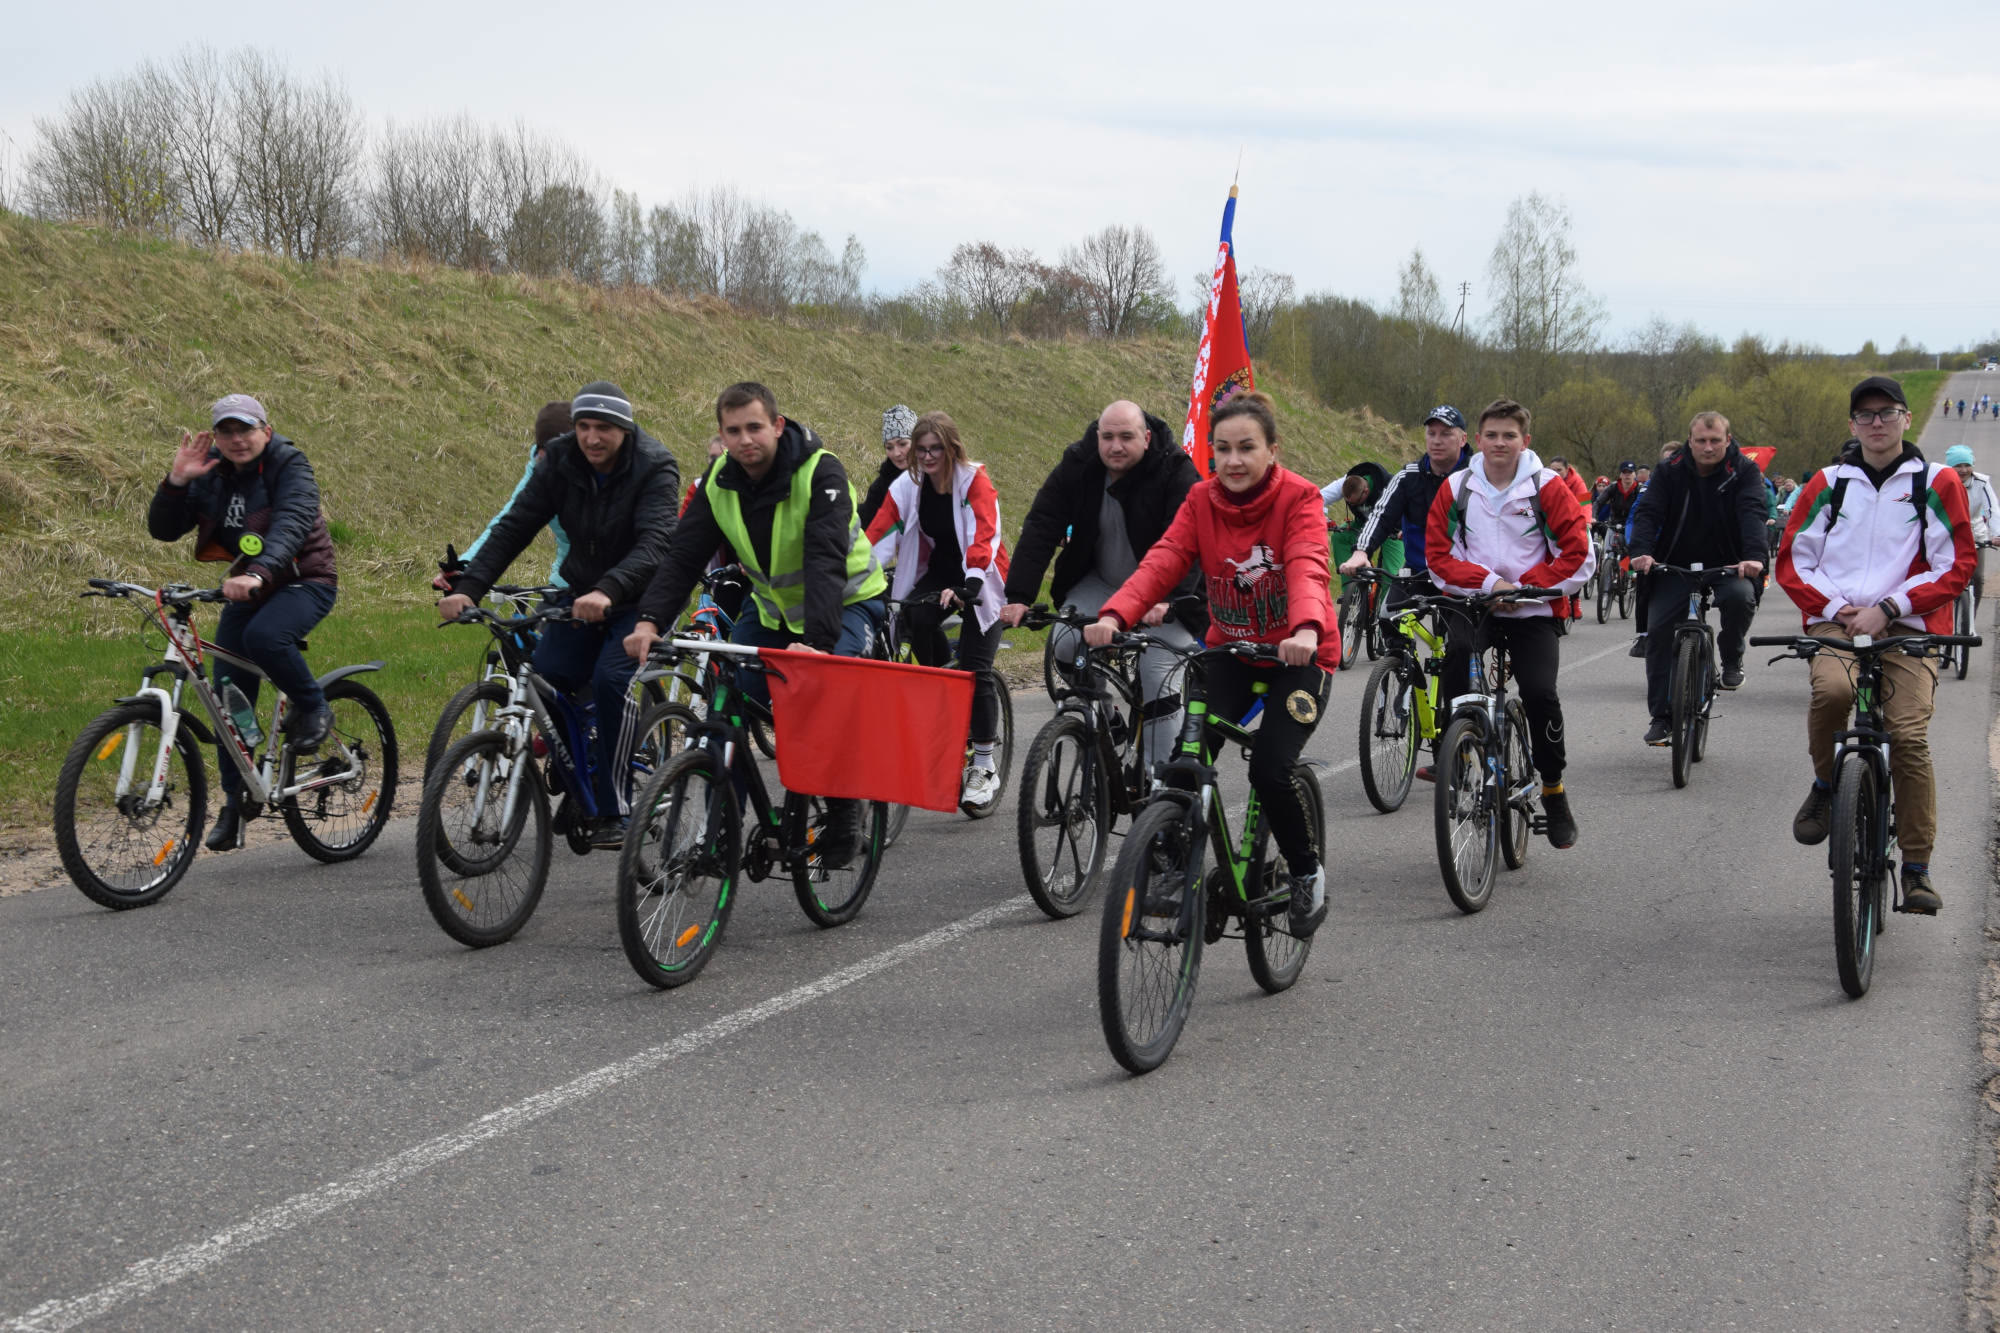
677 872
1863 824
1957 658
1615 582
468 710
1692 687
1085 768
893 645
1487 792
1162 909
1399 704
1356 615
131 800
484 823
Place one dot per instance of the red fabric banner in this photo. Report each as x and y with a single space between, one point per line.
1760 454
1222 361
876 731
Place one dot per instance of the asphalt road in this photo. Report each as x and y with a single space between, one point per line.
1630 1094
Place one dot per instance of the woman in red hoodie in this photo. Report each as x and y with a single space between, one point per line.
1259 534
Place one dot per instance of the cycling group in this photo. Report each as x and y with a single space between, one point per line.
1209 599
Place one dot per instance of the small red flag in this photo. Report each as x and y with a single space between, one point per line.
1222 362
875 731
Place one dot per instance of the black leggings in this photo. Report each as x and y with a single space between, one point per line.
931 646
1294 691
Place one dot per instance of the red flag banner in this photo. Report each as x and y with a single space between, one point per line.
1760 454
1222 361
876 731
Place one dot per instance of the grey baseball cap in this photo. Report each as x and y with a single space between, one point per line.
237 407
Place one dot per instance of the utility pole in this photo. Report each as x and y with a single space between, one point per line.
1458 320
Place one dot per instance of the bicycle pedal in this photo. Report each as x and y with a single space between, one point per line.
1539 824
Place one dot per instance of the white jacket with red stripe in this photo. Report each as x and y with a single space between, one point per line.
1499 535
975 509
1873 552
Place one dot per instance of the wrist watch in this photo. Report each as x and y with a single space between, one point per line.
1887 606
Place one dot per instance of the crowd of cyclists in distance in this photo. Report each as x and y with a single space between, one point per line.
1879 541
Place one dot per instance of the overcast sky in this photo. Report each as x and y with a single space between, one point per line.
1781 169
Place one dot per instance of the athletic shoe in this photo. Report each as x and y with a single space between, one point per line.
1638 647
1732 675
1427 773
607 834
1660 732
981 786
312 730
839 840
1918 895
1561 823
1809 824
1308 905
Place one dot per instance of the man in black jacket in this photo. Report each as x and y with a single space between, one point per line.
1113 493
1705 506
614 488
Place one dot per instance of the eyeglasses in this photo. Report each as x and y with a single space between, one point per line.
927 450
1886 416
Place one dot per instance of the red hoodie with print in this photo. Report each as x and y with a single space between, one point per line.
1264 560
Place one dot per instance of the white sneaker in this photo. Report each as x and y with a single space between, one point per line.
981 786
1308 905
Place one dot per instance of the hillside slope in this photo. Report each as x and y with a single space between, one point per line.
412 392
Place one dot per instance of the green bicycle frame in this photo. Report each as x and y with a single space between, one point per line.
1194 744
1411 625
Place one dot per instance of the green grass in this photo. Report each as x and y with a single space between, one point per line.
1922 388
412 391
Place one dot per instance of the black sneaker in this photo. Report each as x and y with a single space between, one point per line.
1638 647
1809 824
311 730
1661 732
607 834
1918 895
1307 908
227 835
1561 823
1732 675
839 840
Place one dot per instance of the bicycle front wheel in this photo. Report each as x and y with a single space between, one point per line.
1854 846
1276 955
1468 840
1149 950
1388 746
1962 617
119 846
1686 706
339 821
677 869
470 710
1604 598
1350 623
1516 776
1063 822
831 895
483 841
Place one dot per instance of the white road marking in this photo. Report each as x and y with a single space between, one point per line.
183 1261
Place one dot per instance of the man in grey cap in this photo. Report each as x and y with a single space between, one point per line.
897 423
615 490
249 496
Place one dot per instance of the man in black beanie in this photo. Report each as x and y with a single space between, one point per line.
614 488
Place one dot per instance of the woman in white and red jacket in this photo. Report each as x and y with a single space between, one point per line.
1258 532
1508 522
940 526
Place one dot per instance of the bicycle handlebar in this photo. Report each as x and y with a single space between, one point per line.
1916 645
173 594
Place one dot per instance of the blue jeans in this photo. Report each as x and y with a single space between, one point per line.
572 654
269 635
858 623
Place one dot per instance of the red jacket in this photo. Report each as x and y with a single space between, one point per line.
1265 563
1577 484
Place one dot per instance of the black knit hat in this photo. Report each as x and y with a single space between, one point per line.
605 401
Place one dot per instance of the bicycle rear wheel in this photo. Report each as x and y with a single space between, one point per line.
830 896
470 710
1518 765
339 821
1350 622
1468 839
126 851
483 842
1149 948
1962 617
1276 955
1603 598
677 869
1388 744
1853 854
1685 694
1003 747
1063 821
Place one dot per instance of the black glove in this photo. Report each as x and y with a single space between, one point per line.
969 592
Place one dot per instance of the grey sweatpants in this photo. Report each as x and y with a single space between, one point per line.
1155 664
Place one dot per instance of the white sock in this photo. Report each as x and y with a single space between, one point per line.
982 755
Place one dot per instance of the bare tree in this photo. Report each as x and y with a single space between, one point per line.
436 193
297 152
105 159
626 251
1666 361
1120 267
559 232
1262 293
1542 312
190 102
989 281
674 244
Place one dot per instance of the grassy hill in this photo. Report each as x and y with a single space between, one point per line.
412 391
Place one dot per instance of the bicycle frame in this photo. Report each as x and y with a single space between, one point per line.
730 735
1410 624
1100 683
264 783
